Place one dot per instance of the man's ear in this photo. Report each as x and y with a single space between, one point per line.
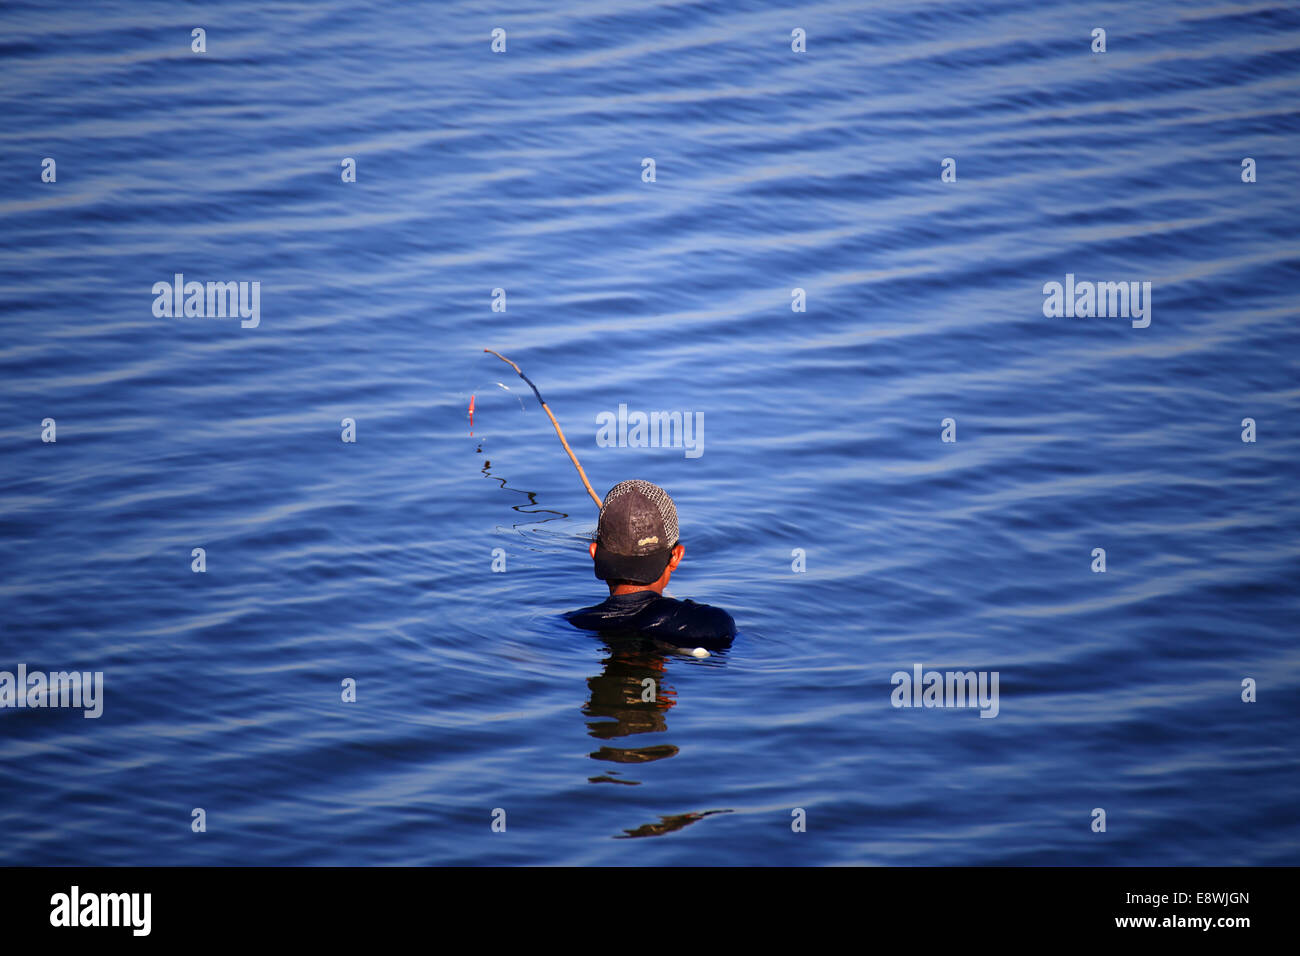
678 553
592 549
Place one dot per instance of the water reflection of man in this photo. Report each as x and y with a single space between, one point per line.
630 692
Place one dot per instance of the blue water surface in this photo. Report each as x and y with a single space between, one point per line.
774 171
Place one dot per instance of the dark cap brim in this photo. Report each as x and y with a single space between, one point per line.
637 568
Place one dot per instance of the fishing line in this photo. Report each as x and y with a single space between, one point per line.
501 385
546 408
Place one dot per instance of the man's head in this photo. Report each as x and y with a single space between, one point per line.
636 546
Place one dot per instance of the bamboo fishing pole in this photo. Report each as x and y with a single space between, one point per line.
546 408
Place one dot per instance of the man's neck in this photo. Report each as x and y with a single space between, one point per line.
620 589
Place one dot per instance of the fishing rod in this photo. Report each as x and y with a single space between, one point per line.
546 408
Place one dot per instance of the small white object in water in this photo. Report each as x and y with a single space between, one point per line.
699 652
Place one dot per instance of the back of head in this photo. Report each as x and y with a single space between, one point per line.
636 533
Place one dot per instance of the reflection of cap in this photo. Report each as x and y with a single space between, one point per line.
636 533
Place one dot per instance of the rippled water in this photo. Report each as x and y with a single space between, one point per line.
774 171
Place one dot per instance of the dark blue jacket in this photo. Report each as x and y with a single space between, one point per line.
683 623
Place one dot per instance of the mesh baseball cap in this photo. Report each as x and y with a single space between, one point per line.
636 533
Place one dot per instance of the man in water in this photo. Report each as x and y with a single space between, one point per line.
636 550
